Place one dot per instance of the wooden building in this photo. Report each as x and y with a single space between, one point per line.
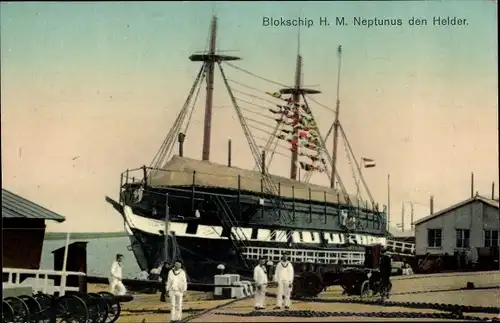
23 231
472 223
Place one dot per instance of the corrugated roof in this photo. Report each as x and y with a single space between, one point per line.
15 206
493 203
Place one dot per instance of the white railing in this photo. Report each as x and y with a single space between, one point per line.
404 248
306 255
41 281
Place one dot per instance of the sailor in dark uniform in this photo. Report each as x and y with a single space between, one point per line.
385 269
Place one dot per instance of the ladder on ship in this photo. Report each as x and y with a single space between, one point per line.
229 222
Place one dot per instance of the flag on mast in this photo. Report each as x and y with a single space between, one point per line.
367 162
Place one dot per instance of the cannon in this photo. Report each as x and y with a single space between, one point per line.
100 307
355 280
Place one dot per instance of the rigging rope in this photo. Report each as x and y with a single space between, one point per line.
267 181
194 102
323 147
255 97
255 75
352 170
344 136
267 146
257 128
245 85
276 144
256 113
169 141
319 104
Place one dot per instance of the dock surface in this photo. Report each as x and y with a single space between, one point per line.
438 288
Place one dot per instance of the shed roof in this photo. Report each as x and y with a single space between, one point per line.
490 202
17 207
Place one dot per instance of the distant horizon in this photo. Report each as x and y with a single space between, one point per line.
90 89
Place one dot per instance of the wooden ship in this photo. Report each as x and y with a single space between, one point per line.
209 214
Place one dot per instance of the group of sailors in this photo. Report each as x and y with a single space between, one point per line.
283 276
174 283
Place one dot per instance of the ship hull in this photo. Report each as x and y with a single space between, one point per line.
201 252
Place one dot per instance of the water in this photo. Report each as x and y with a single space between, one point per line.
100 254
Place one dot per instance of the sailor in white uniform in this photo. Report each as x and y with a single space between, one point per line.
283 275
176 287
260 278
115 280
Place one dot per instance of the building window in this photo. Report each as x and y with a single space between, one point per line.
434 238
301 237
312 236
490 238
273 235
463 238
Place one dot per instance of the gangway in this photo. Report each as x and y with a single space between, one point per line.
400 248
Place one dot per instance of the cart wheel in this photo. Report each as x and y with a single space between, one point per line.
43 299
103 307
365 290
7 312
92 307
297 288
45 302
71 309
312 284
34 307
21 310
114 307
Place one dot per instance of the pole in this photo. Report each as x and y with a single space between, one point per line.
411 217
471 184
336 123
62 287
167 229
207 131
229 153
263 161
493 190
181 138
403 217
388 201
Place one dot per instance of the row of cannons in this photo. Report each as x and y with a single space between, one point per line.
102 307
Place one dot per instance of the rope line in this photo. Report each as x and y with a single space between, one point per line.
255 75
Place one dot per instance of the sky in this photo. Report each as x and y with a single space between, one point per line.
90 89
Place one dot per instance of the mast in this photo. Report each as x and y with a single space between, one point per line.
336 123
297 91
210 59
210 64
296 99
